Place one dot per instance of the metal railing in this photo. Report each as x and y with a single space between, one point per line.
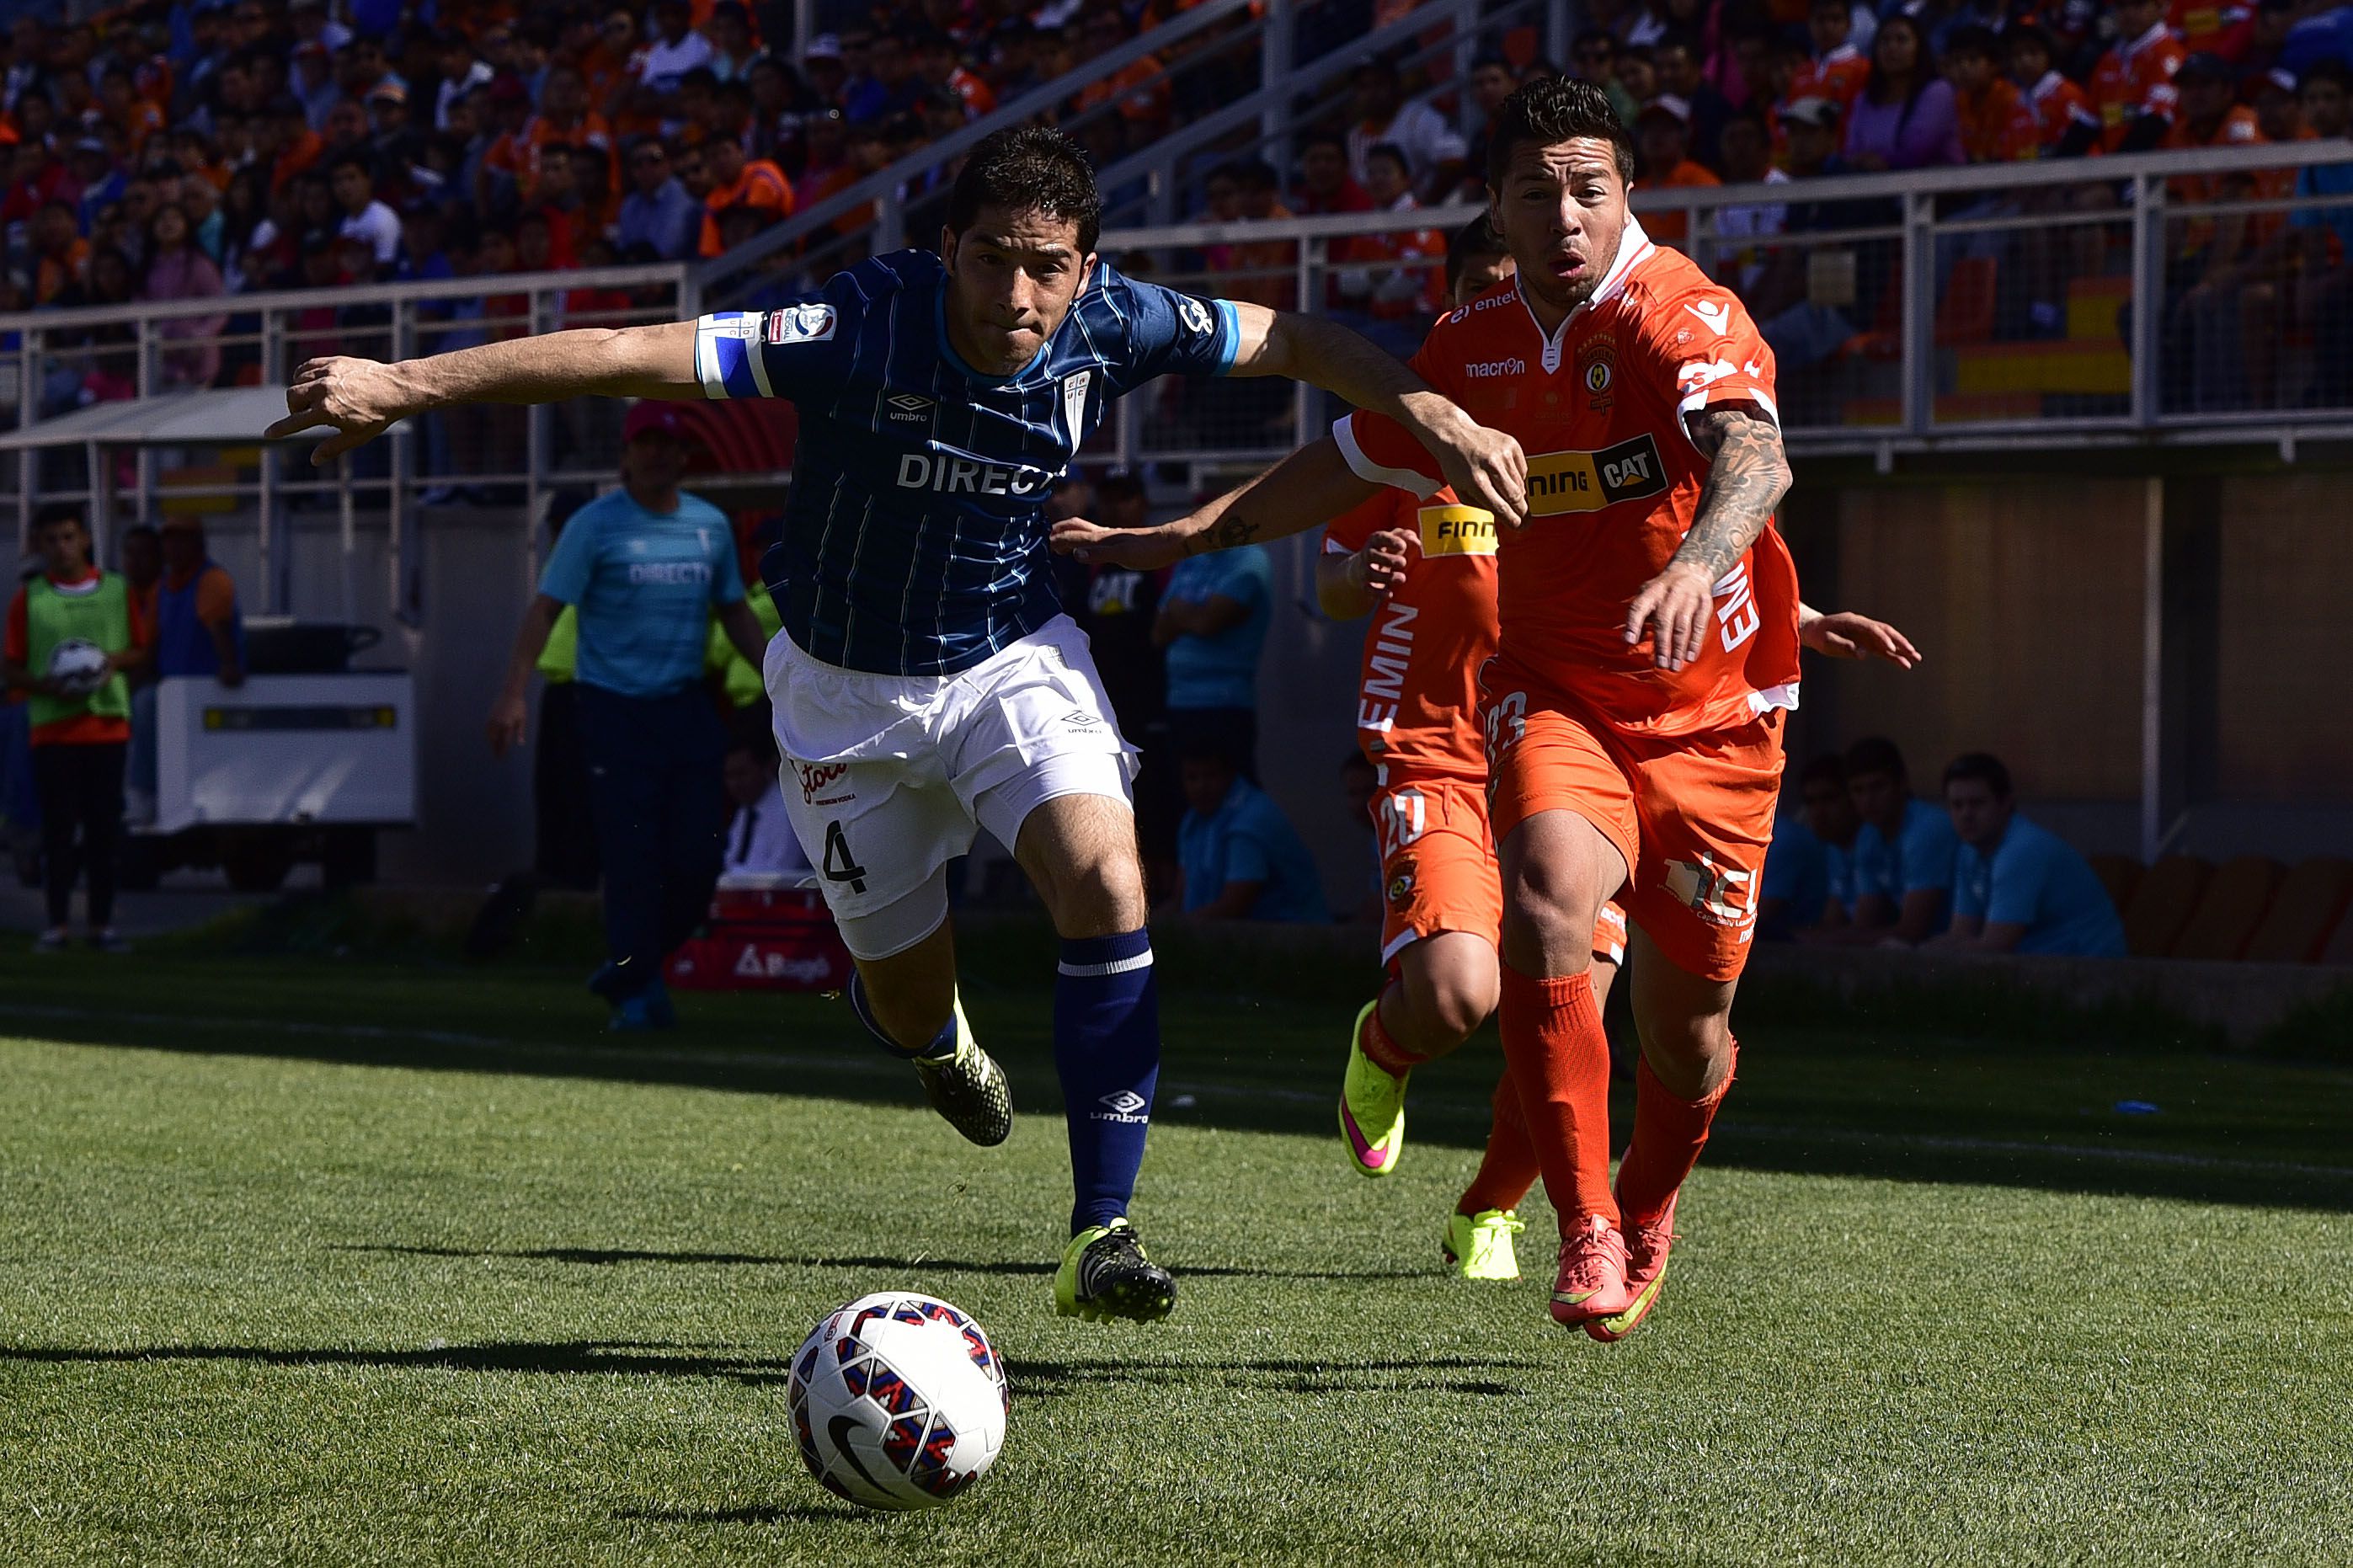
2046 304
2055 304
60 362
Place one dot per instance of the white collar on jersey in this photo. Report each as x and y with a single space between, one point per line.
1635 248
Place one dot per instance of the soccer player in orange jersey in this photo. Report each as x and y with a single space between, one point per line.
1426 571
1648 646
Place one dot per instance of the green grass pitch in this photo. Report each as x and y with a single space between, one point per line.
308 1262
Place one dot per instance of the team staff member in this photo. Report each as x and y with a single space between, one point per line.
1648 645
198 630
78 742
645 565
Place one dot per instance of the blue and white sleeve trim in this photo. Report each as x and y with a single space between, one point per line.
1229 334
727 355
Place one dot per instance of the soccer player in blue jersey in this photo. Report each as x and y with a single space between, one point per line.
927 682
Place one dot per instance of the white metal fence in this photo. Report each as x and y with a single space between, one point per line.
2039 304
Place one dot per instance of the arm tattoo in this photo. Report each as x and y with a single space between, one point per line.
1746 475
1229 532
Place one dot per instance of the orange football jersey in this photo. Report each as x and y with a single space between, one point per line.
2057 105
1614 484
1417 703
2134 78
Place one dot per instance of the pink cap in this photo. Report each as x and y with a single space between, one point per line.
651 415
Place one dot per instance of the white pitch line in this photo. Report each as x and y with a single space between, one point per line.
858 1061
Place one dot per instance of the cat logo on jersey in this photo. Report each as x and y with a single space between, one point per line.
1562 482
1457 531
1597 367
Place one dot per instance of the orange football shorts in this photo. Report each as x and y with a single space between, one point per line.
1692 814
1438 871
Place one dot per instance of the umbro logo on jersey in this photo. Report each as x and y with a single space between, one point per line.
908 408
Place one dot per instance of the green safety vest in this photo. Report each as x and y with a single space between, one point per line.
560 660
103 616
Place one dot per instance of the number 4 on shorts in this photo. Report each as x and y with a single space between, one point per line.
841 865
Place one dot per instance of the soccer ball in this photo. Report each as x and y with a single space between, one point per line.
898 1401
79 666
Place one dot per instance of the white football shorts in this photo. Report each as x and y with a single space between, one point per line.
887 777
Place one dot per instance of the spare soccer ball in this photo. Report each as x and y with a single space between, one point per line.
898 1401
79 666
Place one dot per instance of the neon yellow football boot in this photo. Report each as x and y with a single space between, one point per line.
1479 1245
1105 1275
1372 1107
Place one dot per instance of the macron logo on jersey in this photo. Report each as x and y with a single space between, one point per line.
1482 369
1713 314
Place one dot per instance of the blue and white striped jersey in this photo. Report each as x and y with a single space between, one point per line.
916 535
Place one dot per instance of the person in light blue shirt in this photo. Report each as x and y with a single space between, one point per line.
1212 620
1808 872
646 567
2021 888
1242 859
1903 853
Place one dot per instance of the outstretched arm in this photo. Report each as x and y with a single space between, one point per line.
1304 490
1747 475
361 397
1485 467
1842 634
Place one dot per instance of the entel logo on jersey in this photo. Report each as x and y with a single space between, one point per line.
800 324
817 777
963 476
1482 369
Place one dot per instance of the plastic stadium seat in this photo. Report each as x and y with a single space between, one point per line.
2309 905
2236 903
2163 903
2119 874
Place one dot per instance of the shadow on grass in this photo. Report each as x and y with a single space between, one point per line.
1888 1104
616 1254
763 1514
590 1358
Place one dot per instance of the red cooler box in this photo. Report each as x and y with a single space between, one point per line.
763 938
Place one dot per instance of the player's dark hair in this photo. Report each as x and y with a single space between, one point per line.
1117 487
58 511
1474 241
2336 71
1982 766
1828 768
1257 174
1029 168
1482 63
1315 139
1209 748
1875 755
2032 35
1552 110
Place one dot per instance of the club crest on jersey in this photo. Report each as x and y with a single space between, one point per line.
1074 403
1597 367
907 408
800 324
